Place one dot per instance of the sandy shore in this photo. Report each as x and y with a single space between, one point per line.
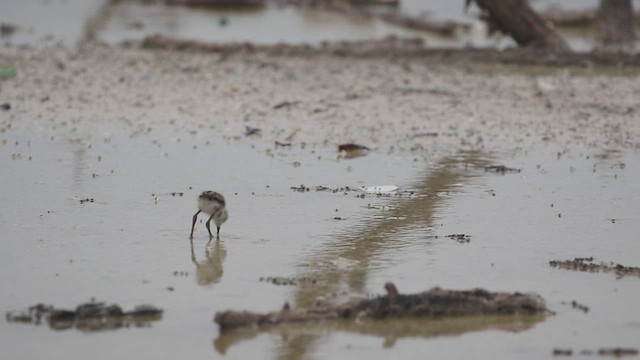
393 103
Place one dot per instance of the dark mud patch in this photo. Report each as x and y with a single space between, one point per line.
588 265
88 317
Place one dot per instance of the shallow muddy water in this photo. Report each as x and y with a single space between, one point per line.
130 245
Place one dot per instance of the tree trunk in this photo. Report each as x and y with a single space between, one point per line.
617 31
522 23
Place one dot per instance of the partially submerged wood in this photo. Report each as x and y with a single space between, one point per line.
432 303
517 19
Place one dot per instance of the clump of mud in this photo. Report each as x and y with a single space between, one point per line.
92 316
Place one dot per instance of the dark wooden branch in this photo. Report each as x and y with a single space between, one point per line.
517 19
432 303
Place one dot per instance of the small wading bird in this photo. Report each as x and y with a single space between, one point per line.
211 203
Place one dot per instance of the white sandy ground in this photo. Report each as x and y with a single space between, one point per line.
393 104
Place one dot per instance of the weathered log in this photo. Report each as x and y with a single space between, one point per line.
517 19
432 303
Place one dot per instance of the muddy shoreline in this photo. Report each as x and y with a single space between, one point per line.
392 47
381 94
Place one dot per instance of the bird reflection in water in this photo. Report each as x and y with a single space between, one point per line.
210 269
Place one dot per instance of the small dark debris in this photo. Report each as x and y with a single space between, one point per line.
562 352
288 281
285 104
351 147
461 238
87 200
300 188
7 29
5 106
425 134
501 169
281 144
251 131
145 310
617 352
587 265
576 305
337 190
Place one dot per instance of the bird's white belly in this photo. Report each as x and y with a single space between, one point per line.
208 207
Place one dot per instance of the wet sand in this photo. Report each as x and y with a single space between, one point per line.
134 128
390 103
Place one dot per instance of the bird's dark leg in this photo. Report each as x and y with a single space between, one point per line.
209 226
218 233
193 223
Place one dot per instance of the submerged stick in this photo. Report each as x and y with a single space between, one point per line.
432 303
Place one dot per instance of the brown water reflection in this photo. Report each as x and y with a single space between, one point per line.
210 269
361 246
297 339
358 248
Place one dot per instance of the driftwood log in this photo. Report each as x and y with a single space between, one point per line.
517 19
432 303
